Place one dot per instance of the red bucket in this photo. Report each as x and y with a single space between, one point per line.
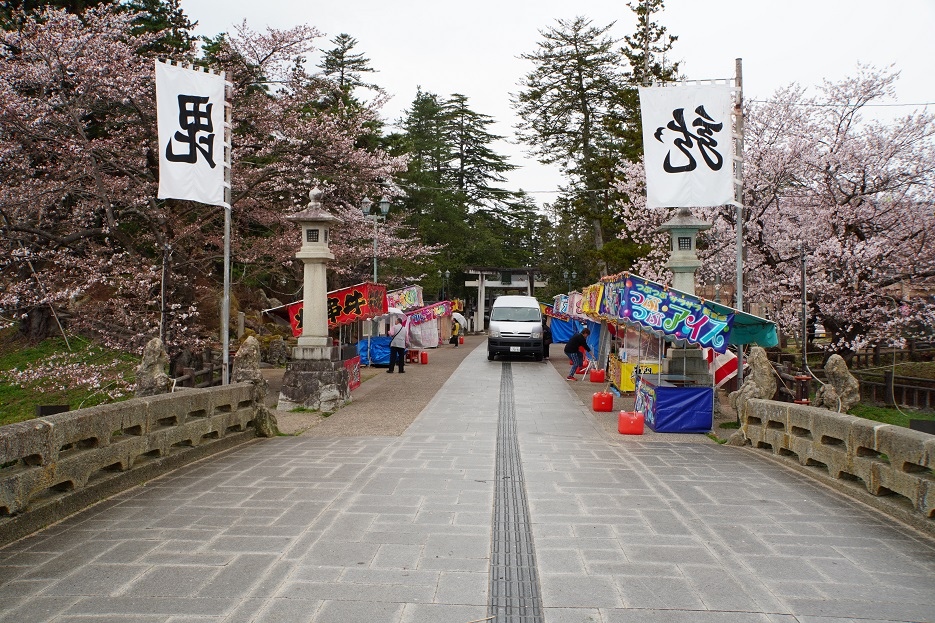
460 339
425 357
630 423
602 401
596 376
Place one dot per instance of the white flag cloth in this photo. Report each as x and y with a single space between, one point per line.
687 146
190 114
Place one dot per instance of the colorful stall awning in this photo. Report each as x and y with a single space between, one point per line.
406 298
430 312
677 315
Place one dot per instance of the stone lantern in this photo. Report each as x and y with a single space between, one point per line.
316 379
316 223
683 261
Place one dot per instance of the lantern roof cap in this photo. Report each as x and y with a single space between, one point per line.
684 219
314 210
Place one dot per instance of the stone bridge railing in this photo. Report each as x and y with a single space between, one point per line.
888 467
53 466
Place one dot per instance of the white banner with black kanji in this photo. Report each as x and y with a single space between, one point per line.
687 146
190 119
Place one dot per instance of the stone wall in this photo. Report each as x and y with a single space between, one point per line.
888 467
53 466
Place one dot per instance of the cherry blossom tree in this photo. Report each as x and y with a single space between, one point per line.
74 125
82 234
852 195
290 135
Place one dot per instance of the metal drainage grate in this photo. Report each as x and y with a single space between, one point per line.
514 582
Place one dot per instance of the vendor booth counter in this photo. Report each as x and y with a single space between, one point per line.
621 374
673 404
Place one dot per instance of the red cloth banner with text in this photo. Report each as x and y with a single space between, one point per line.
353 372
359 302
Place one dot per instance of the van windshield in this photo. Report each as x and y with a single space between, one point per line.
515 314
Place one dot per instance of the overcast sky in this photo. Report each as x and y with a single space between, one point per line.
474 47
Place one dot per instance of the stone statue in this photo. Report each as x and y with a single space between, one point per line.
151 377
247 363
842 391
278 352
247 369
760 383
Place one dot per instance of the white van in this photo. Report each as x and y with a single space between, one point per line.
515 327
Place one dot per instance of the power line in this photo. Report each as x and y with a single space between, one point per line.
509 192
816 105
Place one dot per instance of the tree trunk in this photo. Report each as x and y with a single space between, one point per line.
38 323
599 244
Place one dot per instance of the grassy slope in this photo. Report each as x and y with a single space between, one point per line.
107 374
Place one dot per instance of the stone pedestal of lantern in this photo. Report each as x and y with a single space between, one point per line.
683 261
316 378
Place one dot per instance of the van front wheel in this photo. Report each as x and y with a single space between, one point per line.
490 355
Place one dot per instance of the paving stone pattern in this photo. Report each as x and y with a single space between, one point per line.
399 529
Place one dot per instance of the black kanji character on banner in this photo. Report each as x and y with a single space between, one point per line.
193 119
705 139
374 300
353 302
334 309
297 317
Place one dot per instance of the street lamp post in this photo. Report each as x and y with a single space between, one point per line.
444 277
365 206
569 277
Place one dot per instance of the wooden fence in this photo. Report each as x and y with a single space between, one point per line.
874 357
878 385
200 379
890 389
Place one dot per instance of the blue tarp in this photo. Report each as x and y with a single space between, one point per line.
594 338
376 348
562 330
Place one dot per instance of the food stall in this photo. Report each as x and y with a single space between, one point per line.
425 324
429 325
632 353
424 329
347 309
669 402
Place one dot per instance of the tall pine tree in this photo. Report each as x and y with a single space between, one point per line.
345 67
451 187
579 109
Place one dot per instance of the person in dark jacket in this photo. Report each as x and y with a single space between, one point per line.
546 337
573 349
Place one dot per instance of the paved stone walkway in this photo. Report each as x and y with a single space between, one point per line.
399 529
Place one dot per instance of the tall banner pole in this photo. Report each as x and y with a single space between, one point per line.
226 304
191 104
738 198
